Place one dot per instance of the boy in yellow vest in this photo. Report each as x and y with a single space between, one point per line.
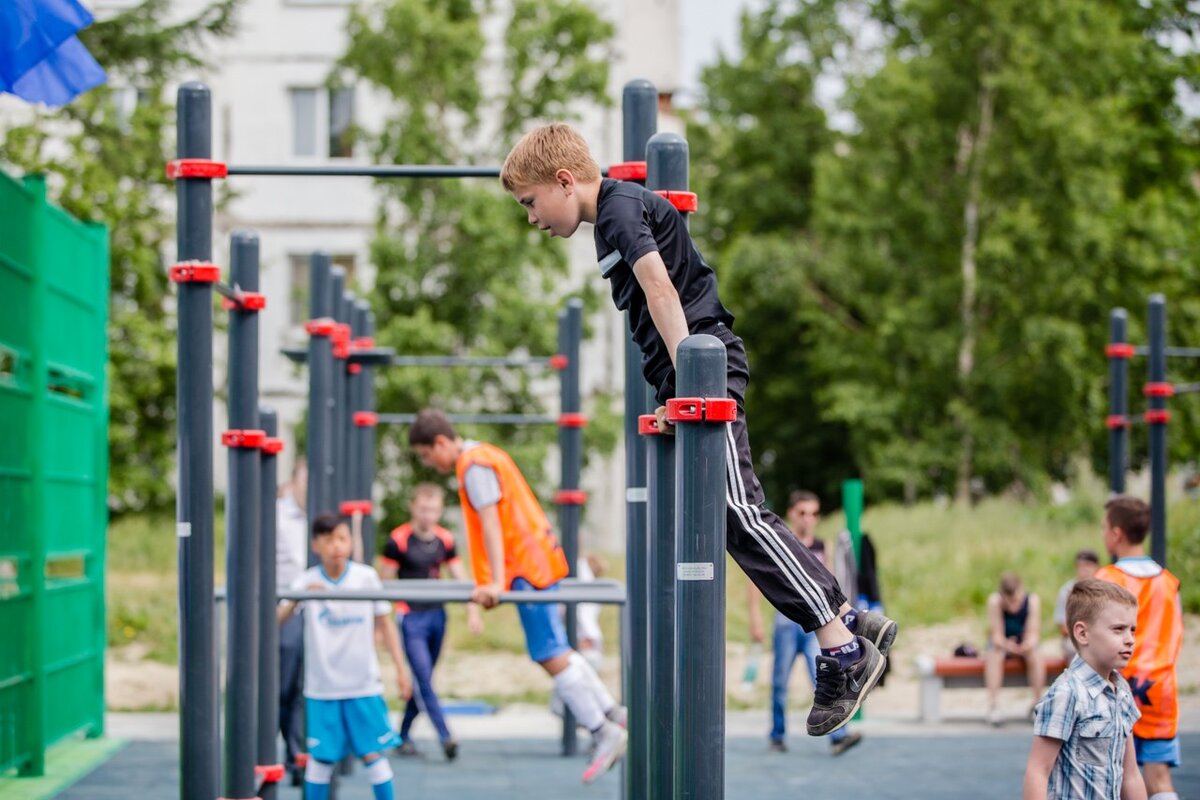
513 548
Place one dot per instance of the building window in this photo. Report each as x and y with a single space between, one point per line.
299 267
322 111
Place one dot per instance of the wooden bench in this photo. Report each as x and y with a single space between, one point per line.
958 672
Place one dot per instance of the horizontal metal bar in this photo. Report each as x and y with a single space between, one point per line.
1187 388
470 361
438 591
1172 352
475 419
376 171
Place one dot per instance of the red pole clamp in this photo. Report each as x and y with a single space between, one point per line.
559 361
272 445
570 497
363 343
269 773
252 439
196 168
366 419
341 340
194 272
1157 389
697 409
324 326
648 425
628 171
1114 421
1157 416
354 369
1119 350
250 301
351 507
684 202
572 419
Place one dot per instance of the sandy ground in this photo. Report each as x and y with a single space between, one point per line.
134 683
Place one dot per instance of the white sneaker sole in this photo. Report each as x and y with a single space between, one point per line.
605 761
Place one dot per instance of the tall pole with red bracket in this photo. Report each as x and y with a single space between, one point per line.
1157 391
1119 351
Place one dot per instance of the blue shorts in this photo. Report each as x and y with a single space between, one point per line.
545 633
1157 751
337 727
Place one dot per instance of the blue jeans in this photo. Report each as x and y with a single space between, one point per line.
422 633
790 640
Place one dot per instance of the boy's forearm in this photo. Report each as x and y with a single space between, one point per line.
391 640
284 611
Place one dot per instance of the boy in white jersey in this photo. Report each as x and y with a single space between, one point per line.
342 689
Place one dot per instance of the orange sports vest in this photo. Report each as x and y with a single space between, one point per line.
531 550
1156 646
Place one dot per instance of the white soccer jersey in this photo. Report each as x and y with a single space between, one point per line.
339 636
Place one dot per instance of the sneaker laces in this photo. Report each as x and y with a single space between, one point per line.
831 685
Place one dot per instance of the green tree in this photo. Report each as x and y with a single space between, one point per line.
105 156
458 268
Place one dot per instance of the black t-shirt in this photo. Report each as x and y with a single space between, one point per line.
632 221
416 558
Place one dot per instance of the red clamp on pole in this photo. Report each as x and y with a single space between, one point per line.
1114 421
684 202
341 340
648 425
628 171
269 773
572 419
1157 416
570 497
365 419
324 326
1119 350
354 369
251 439
194 272
698 409
196 168
248 301
559 362
351 507
272 445
363 343
1158 389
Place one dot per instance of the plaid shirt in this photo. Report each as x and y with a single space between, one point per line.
1093 719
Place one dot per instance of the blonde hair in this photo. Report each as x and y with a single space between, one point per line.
542 152
1089 597
431 490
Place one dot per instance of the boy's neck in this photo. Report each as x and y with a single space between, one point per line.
334 572
1105 671
589 200
1129 551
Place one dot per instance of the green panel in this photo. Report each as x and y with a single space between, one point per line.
17 207
69 444
14 514
71 522
15 406
71 260
69 705
73 609
15 747
64 343
14 621
15 288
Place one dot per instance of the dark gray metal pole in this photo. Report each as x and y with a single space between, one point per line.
367 429
1118 400
198 711
268 630
243 544
570 445
1157 422
360 436
337 405
700 579
320 387
639 104
660 528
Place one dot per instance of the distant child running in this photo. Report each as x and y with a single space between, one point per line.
343 692
658 275
1082 748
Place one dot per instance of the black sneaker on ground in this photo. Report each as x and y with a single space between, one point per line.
777 746
450 748
877 629
845 743
840 692
408 749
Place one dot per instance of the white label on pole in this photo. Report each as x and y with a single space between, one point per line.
695 571
636 494
183 529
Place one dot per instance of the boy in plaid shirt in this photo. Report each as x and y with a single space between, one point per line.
1082 748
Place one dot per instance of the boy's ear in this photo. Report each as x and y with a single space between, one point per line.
1081 631
565 178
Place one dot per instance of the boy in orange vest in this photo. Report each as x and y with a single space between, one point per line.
1157 642
513 548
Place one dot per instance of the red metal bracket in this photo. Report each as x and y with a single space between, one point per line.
684 202
571 419
351 507
366 419
701 409
648 425
628 171
1114 421
272 445
250 301
324 326
1158 389
363 343
341 340
269 773
1157 416
251 439
354 369
559 361
570 497
194 272
196 168
1119 350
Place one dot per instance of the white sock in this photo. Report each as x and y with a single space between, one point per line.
1164 796
603 697
574 686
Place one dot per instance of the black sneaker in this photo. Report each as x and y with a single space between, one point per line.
840 692
845 743
777 746
877 629
450 748
408 749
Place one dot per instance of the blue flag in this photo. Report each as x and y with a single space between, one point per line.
41 59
